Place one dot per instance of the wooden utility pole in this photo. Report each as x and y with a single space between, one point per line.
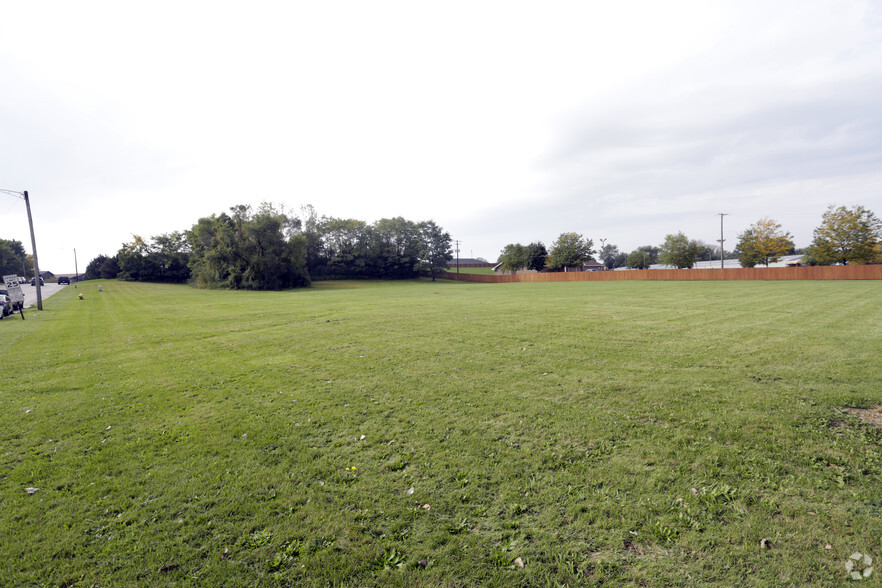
34 248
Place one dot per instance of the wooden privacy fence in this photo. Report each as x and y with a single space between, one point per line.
830 272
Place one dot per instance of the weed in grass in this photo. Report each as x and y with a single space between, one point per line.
502 557
390 560
664 533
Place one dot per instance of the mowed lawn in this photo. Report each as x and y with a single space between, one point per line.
438 433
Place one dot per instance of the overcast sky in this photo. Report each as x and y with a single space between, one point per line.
502 121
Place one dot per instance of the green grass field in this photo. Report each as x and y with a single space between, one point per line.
439 433
484 271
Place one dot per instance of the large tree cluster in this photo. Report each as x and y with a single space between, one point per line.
12 258
387 249
570 250
269 249
245 249
516 257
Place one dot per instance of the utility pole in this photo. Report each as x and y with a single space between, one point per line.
76 270
37 278
457 255
722 252
24 195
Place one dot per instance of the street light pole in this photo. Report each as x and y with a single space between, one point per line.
722 252
24 195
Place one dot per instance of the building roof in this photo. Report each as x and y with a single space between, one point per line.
463 260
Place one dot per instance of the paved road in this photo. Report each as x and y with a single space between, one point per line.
47 290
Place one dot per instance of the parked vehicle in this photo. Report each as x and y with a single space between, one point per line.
14 306
63 280
5 306
34 282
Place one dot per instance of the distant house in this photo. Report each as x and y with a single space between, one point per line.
592 266
497 269
587 266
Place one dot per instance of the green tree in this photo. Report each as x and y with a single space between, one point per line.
12 257
275 257
102 268
570 250
638 260
346 248
133 260
248 250
706 251
395 245
762 243
846 236
652 251
642 257
162 259
514 258
679 251
170 253
536 256
435 250
612 257
389 248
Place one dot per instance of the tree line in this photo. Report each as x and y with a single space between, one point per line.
14 260
845 236
268 248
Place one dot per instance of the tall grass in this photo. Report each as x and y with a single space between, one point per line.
426 433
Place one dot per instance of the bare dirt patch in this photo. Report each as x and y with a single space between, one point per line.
871 415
